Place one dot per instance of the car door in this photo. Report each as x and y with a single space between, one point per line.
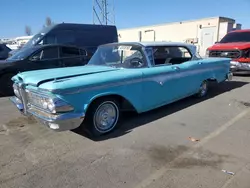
161 85
190 71
71 56
164 82
46 58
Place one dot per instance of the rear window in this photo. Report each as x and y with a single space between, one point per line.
236 37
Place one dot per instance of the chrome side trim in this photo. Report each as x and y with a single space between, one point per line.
161 78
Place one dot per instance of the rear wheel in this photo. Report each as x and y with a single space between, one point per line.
203 89
6 84
102 116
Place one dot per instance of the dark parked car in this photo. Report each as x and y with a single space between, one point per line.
4 51
87 36
39 57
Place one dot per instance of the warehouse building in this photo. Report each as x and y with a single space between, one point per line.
202 33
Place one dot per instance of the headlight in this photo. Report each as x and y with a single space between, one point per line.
53 105
58 106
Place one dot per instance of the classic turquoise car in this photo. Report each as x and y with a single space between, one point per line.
119 76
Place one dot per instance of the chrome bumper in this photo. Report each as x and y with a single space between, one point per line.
237 66
57 122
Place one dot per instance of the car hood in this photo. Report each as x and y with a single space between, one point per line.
230 46
39 77
5 63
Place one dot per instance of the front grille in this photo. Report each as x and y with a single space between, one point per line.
234 54
33 99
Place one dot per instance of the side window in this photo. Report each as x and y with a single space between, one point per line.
46 54
49 39
149 52
69 52
185 52
1 48
83 52
169 55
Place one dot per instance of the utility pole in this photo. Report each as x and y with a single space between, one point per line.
103 13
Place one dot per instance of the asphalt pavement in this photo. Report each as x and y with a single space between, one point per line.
185 144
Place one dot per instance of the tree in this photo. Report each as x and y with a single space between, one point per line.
48 21
28 30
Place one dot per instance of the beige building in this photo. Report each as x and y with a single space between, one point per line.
203 32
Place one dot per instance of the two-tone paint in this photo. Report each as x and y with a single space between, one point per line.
143 88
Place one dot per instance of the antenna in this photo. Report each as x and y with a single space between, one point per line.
103 12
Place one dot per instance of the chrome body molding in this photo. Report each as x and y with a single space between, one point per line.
160 78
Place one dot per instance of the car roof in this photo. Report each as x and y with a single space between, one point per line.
240 31
54 45
149 44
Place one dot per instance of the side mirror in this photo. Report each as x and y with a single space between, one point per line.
216 42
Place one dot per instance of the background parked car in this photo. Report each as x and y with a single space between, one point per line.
234 45
39 57
87 36
4 50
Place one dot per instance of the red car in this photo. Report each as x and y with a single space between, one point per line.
234 45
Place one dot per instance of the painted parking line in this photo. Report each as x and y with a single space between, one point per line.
159 173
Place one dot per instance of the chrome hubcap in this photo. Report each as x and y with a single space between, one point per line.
106 117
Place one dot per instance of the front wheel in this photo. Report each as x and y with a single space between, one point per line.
203 89
102 116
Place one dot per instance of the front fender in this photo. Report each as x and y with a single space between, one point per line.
81 101
106 94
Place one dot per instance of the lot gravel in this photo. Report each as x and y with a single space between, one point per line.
148 150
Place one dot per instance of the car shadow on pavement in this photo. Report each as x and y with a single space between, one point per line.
3 94
132 120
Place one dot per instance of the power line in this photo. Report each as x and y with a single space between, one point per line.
103 12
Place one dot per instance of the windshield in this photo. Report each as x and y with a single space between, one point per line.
22 54
236 37
34 40
125 56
